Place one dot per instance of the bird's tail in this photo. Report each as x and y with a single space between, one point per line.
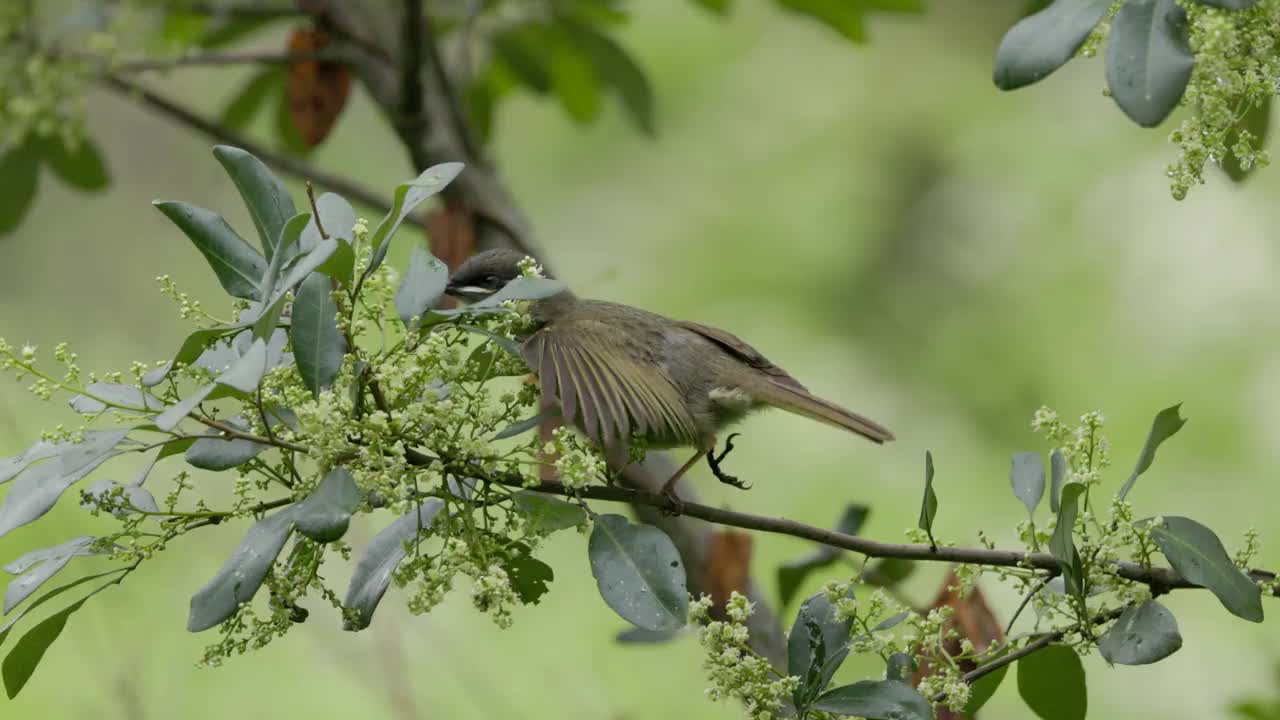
798 401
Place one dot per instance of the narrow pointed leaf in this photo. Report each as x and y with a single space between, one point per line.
1041 43
305 266
804 659
81 168
1057 476
242 573
122 397
1062 546
527 424
545 514
324 515
318 345
1143 634
130 495
35 492
639 573
13 621
53 560
1051 682
407 197
792 574
283 246
1167 423
422 287
846 18
237 265
20 168
268 201
381 556
617 69
983 689
338 218
1199 557
248 103
929 504
222 453
11 467
876 700
1027 478
1149 59
26 654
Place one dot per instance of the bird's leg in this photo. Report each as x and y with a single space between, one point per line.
669 487
714 461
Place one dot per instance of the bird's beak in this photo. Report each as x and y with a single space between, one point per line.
470 293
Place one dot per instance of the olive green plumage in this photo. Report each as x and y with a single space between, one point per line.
621 373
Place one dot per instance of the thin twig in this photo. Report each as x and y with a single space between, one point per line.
220 59
315 211
283 162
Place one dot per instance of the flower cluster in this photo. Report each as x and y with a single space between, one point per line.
734 669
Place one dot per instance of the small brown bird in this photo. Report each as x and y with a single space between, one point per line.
624 375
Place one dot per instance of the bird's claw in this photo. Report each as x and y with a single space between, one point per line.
714 461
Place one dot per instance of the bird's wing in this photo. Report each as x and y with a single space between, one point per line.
613 393
738 348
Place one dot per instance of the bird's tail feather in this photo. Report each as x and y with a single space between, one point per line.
798 401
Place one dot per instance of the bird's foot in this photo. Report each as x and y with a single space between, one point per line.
714 461
677 505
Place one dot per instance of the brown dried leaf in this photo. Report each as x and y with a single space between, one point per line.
316 90
974 620
727 568
451 233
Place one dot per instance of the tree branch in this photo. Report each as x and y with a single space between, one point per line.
281 161
219 59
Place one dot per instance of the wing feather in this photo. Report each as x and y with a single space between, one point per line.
610 394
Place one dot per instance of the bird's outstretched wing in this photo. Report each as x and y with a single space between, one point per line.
610 393
735 346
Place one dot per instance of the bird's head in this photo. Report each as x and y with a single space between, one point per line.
485 274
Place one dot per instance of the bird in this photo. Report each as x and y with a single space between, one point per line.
623 375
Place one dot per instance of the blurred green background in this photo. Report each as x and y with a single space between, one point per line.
878 219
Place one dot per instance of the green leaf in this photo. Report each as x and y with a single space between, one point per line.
324 515
40 565
888 572
218 452
247 104
529 576
1143 634
35 492
8 628
639 573
1198 556
272 285
1061 545
81 168
122 396
264 195
793 573
876 700
983 689
1041 43
523 50
1166 424
105 489
20 168
817 646
1257 122
527 424
238 580
407 197
11 467
929 504
1051 682
573 76
617 69
717 6
339 221
26 654
545 514
843 16
241 378
384 552
318 345
1149 59
422 287
237 265
1057 476
287 134
1027 478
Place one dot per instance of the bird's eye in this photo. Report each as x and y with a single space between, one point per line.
492 281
